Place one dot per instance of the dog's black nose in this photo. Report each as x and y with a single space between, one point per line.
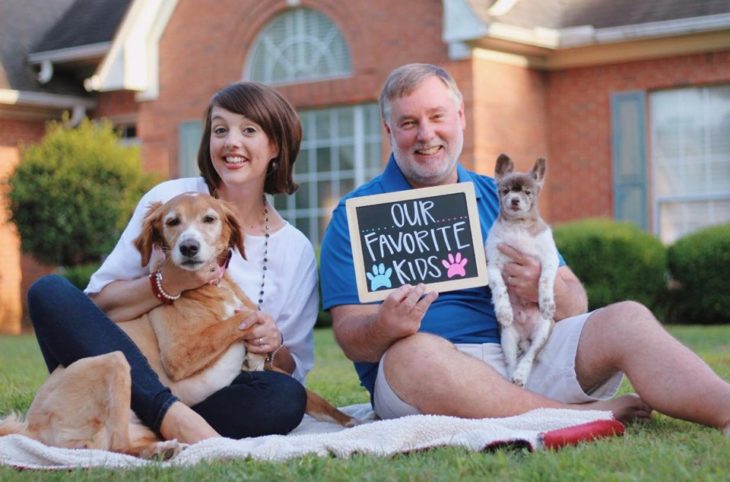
515 202
189 248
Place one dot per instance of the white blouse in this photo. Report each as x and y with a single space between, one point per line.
290 293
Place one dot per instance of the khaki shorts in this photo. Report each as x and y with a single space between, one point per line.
553 374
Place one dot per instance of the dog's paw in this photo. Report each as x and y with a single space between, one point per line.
504 314
169 449
519 377
254 362
164 450
353 422
519 381
547 308
547 312
510 360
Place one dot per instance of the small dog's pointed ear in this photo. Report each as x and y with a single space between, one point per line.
504 166
151 234
538 170
235 240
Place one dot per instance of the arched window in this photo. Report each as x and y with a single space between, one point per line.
299 45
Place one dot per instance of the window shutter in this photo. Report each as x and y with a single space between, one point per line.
628 131
190 134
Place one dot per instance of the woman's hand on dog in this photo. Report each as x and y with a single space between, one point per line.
263 335
176 280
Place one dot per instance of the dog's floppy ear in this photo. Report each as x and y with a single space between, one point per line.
151 234
234 225
504 166
538 170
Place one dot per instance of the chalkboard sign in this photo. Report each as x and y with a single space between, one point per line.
429 235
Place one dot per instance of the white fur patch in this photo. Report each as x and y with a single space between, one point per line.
198 387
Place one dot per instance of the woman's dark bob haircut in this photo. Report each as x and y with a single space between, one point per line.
267 108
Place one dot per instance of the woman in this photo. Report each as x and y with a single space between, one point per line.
250 142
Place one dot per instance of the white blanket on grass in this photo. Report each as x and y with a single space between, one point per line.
379 438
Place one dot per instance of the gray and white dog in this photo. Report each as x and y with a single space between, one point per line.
525 327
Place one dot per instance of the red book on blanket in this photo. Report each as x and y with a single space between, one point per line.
555 439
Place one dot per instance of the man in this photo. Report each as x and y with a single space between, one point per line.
420 352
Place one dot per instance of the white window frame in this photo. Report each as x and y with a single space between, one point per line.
705 158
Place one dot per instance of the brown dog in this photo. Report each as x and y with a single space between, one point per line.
194 344
86 405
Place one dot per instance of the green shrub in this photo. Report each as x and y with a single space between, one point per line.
616 261
324 318
72 193
699 265
79 275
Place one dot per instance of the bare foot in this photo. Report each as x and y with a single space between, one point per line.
185 425
626 408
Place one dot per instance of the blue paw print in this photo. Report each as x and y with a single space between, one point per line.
380 277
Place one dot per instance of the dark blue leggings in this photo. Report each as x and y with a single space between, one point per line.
69 326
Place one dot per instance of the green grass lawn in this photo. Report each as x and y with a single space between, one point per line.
661 450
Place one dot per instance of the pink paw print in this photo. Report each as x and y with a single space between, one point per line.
455 265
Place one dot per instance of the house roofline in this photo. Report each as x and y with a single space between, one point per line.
70 54
587 35
42 99
38 106
463 30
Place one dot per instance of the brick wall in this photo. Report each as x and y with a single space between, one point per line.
564 115
206 43
16 271
116 104
579 123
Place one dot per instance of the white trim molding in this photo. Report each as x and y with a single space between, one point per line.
40 106
70 54
40 99
132 62
587 35
464 31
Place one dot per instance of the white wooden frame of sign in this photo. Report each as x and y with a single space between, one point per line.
467 188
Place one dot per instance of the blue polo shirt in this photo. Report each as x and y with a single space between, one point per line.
463 316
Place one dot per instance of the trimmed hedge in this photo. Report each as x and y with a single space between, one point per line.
616 261
699 265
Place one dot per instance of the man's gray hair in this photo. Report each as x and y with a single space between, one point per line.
405 79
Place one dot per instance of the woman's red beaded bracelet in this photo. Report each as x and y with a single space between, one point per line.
159 291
